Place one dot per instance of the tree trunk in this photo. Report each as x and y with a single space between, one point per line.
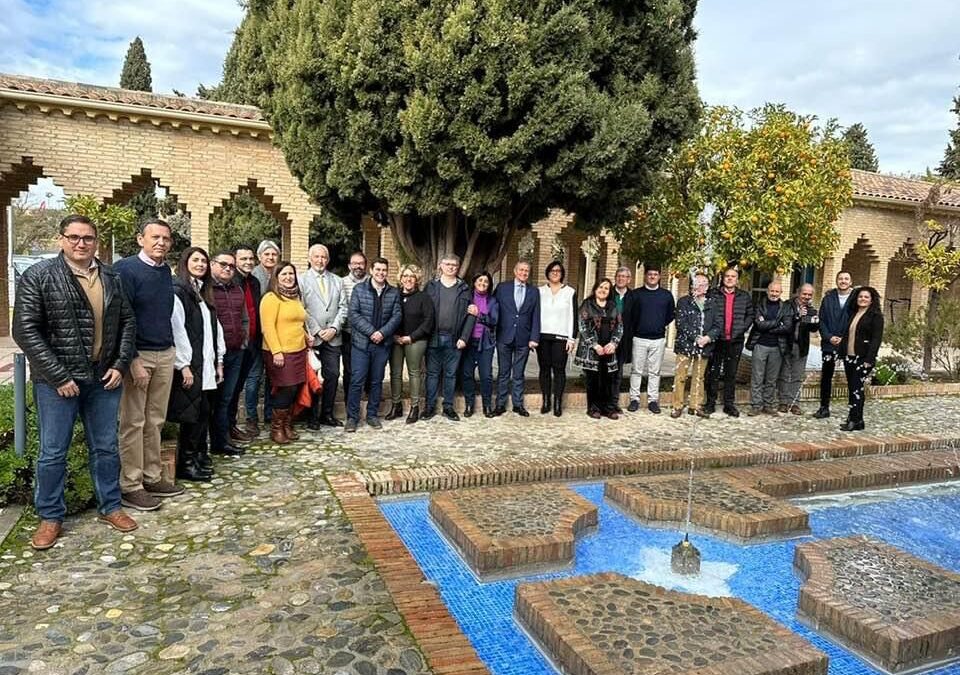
426 239
933 303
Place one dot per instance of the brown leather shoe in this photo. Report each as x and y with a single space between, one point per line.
796 410
46 535
239 436
251 428
119 520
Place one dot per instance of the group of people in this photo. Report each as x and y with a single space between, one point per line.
136 343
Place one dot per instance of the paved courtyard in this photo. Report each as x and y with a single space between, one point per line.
259 571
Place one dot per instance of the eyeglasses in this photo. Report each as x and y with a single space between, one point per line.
74 239
228 266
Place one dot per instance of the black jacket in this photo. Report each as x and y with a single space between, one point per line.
866 341
692 323
802 327
834 319
53 324
184 404
465 321
742 312
416 311
781 326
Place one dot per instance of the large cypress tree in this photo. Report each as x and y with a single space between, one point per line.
862 154
136 68
950 166
460 122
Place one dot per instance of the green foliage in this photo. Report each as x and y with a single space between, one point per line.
35 229
16 473
911 334
470 117
891 370
242 220
775 182
136 68
114 220
950 166
146 205
862 154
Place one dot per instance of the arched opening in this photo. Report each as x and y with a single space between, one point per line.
898 294
150 198
859 260
248 216
31 207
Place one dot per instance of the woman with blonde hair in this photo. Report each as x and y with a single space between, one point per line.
410 341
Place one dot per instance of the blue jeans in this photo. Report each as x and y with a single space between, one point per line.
367 363
220 428
99 409
511 361
251 390
478 358
443 358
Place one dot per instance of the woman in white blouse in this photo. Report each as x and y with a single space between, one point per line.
558 336
198 366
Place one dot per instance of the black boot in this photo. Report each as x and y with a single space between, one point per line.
557 406
468 409
822 413
396 412
188 467
313 424
546 405
414 414
488 410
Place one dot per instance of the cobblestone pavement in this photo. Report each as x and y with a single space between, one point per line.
260 571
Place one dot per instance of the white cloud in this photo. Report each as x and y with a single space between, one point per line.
892 66
185 40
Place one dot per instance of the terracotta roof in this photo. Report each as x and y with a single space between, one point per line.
91 92
867 184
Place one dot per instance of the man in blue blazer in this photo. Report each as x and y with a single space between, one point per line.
518 331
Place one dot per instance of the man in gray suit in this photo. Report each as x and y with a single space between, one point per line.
323 299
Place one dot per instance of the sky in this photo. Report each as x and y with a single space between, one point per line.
893 66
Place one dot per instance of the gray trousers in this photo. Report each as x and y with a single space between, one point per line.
763 381
792 372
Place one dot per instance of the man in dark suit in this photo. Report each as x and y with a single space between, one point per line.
518 331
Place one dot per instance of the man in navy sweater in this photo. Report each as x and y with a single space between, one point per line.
651 311
146 389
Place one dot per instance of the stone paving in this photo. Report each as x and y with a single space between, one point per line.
609 623
897 609
260 571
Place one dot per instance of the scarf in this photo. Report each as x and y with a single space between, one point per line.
288 292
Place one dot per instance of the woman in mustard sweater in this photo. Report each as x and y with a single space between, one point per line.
285 343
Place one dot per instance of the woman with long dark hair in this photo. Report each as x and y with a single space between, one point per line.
558 335
285 343
601 328
198 364
479 352
859 347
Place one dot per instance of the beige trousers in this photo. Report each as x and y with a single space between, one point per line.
142 414
695 367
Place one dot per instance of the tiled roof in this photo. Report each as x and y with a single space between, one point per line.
128 97
867 184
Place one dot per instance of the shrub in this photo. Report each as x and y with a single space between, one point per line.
892 370
16 473
907 336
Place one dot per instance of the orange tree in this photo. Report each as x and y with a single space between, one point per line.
759 189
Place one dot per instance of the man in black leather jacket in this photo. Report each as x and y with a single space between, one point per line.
77 329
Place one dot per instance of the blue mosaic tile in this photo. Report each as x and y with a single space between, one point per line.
923 524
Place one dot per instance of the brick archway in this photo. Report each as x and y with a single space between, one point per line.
271 205
860 260
898 296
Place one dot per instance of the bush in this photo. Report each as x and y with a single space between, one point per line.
16 473
907 336
892 370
